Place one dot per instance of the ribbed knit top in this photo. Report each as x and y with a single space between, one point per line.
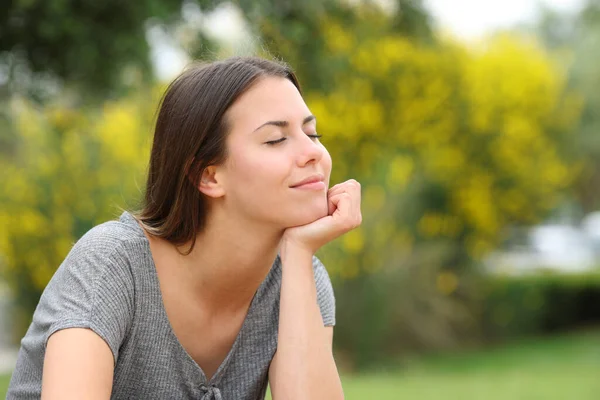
108 283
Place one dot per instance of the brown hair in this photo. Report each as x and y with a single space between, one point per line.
190 135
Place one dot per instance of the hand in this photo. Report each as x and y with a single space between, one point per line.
343 204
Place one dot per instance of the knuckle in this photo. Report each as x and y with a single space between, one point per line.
348 225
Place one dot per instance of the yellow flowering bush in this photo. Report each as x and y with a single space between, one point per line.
72 170
450 144
471 140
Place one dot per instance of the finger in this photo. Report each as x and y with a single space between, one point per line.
336 186
349 202
349 182
343 205
330 205
353 189
346 216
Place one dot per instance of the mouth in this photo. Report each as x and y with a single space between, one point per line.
313 182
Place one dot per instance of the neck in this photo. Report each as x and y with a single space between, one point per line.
229 261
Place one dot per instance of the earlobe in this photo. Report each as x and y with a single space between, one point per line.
210 183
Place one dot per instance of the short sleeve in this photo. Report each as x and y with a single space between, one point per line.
93 288
325 295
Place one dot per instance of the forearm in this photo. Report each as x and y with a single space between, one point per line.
305 367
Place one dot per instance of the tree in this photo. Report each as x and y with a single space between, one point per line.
73 169
575 39
52 151
296 31
451 146
83 43
88 45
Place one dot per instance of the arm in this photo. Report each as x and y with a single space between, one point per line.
78 364
303 365
304 361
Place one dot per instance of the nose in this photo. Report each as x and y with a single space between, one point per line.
309 151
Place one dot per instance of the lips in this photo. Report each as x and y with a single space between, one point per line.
311 179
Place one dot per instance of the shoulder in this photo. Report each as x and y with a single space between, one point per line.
109 236
100 261
94 287
107 243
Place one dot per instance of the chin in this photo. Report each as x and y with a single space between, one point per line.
308 215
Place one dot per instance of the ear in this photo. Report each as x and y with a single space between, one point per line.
211 182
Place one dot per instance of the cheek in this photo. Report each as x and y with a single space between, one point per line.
326 163
256 171
327 157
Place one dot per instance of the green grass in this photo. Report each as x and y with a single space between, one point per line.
4 380
558 368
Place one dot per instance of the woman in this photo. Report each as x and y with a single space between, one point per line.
212 290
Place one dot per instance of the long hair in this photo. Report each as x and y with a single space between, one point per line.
190 134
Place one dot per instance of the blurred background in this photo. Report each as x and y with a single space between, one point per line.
473 126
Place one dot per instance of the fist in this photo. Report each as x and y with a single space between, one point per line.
343 215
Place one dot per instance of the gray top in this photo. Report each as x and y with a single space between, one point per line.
108 283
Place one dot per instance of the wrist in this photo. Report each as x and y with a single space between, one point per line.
291 249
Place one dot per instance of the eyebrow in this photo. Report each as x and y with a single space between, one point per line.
283 124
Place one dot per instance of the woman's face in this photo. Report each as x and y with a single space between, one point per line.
271 150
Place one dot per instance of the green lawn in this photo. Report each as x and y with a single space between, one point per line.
4 379
559 368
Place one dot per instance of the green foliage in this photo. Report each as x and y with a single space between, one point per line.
300 32
450 146
71 170
410 306
411 19
539 304
83 42
575 38
90 45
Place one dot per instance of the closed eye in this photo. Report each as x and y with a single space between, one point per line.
272 142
